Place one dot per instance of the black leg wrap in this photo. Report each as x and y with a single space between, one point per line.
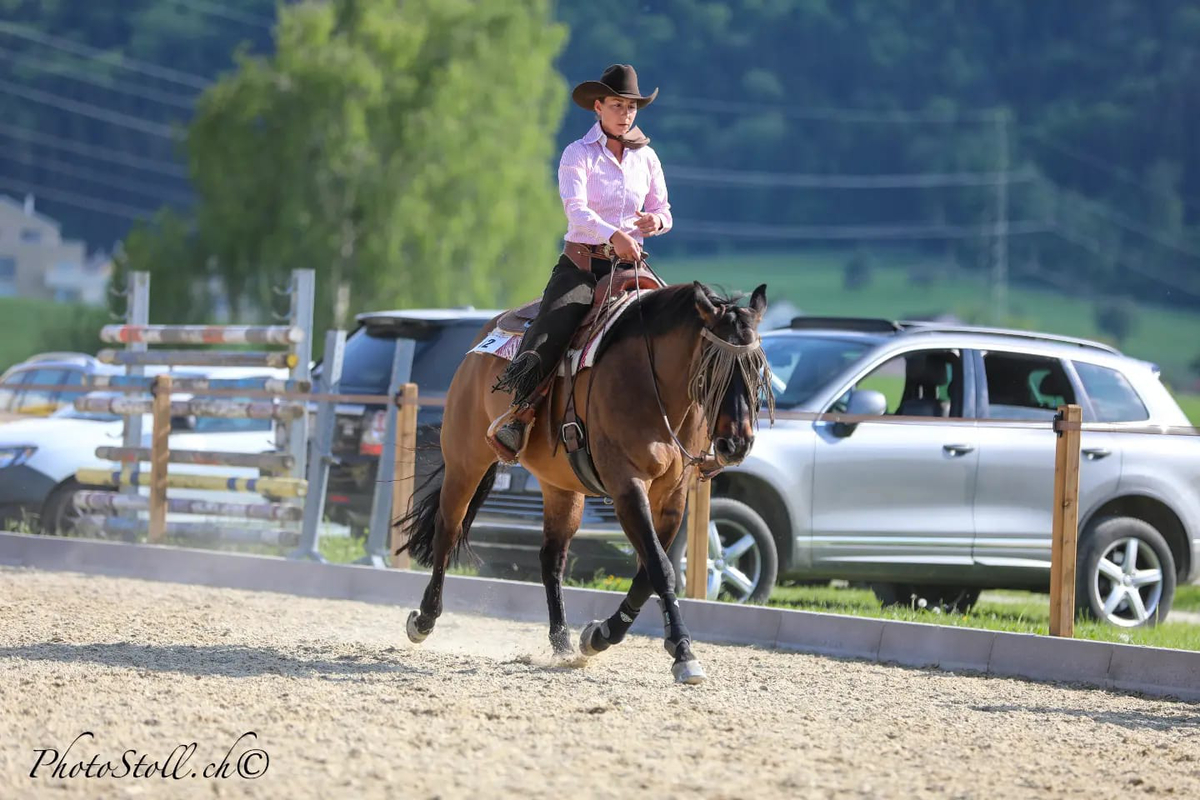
618 624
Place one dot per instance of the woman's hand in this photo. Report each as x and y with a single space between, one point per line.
626 246
648 223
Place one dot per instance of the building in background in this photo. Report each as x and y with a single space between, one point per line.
35 261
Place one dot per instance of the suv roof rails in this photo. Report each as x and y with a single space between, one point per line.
858 324
934 327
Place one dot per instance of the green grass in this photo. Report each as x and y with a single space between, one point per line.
1015 612
813 282
35 326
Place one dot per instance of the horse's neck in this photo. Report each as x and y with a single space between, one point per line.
674 354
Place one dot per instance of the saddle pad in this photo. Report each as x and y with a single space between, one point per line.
505 344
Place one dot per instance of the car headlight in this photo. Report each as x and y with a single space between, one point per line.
15 456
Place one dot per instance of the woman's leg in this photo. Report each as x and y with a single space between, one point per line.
566 301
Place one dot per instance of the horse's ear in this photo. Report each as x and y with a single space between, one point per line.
758 301
708 312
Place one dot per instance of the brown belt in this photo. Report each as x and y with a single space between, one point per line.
581 255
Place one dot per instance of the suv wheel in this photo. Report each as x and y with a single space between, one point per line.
920 596
59 515
1126 573
743 561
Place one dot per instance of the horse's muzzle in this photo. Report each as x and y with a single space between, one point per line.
732 449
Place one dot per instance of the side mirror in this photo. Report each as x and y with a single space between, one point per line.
862 403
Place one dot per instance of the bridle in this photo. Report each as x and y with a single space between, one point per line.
705 462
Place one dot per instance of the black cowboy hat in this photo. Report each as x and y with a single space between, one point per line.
619 80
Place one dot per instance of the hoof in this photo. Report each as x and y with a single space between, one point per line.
689 672
561 642
414 635
585 639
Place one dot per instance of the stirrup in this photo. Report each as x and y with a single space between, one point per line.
523 415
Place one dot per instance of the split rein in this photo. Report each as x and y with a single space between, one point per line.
719 358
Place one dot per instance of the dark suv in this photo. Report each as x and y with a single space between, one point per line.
507 533
442 337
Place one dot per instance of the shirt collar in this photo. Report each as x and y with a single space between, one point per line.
595 134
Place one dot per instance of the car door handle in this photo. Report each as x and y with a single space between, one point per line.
1097 453
958 449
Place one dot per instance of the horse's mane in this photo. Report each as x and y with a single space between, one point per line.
663 310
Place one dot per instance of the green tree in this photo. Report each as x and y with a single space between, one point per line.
400 149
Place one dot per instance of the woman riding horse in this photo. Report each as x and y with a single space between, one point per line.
681 371
612 189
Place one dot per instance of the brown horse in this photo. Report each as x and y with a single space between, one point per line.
699 354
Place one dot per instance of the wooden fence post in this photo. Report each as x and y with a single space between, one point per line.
699 495
159 456
405 456
1066 521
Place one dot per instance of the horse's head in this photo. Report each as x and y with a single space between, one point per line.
731 371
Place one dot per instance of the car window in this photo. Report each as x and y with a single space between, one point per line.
1113 398
40 401
924 383
436 360
72 377
806 364
367 359
8 390
1021 386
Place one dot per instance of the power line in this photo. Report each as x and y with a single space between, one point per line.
702 106
737 230
78 200
122 61
1099 250
226 13
917 180
39 139
83 74
88 110
1128 224
84 173
1099 163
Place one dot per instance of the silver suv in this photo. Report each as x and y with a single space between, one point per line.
931 514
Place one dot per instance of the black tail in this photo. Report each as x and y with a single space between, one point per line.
421 522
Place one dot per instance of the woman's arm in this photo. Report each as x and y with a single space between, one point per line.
656 199
572 188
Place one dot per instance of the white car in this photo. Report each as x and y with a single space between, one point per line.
39 457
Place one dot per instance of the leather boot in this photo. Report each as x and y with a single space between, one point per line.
509 432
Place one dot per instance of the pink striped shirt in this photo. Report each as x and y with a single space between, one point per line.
602 195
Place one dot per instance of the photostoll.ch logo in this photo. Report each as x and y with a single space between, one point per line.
249 764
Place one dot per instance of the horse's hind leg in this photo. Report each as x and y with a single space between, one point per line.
563 511
461 489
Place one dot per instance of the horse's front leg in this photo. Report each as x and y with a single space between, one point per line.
633 510
599 635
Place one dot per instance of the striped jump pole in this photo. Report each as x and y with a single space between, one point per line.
275 487
199 358
93 525
268 462
202 385
112 503
201 334
159 451
196 407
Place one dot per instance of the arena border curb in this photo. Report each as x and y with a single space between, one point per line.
1147 670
